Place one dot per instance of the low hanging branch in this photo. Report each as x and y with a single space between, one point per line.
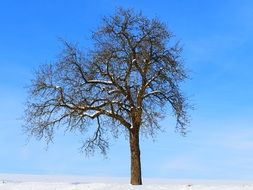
129 79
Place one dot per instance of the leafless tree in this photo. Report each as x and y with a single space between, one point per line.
128 81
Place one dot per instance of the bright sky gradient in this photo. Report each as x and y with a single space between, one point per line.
218 43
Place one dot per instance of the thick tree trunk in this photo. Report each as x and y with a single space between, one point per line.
135 158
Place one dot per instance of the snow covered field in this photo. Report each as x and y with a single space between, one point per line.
26 182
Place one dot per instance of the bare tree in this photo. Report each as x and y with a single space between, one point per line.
128 81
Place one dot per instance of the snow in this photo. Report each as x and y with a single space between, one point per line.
100 81
91 115
24 182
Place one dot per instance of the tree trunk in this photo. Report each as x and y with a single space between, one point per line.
135 158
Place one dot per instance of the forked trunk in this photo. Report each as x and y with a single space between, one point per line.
135 158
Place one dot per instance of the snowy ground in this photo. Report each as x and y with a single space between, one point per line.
25 182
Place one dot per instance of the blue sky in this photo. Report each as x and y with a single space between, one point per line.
218 43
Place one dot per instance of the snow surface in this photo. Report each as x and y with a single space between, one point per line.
25 182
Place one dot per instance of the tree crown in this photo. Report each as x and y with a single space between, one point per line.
127 79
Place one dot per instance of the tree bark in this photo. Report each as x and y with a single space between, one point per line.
135 157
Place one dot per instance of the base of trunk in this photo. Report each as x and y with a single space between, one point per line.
138 182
